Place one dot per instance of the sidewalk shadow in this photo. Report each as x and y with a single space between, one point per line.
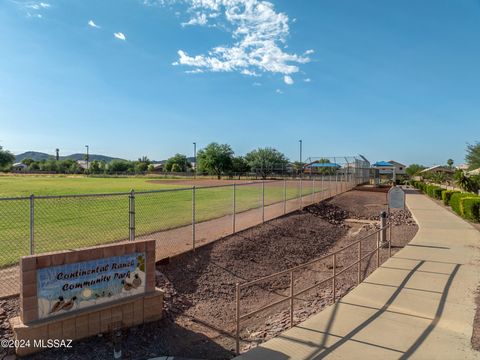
264 354
323 351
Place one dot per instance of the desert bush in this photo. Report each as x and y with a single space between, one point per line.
471 208
455 202
437 192
447 194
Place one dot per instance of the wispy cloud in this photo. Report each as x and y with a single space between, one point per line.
33 8
307 80
278 91
120 36
37 5
92 24
259 36
198 19
288 80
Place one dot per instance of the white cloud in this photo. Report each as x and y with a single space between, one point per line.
288 80
259 35
120 36
307 80
249 73
309 52
92 24
278 91
33 8
198 19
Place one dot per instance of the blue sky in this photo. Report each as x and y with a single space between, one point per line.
388 79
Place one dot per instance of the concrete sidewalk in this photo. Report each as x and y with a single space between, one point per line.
419 304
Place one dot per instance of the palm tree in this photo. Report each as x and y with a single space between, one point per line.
450 162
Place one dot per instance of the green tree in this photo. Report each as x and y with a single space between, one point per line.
450 163
34 166
414 169
463 181
215 159
473 156
95 167
240 165
176 168
265 161
151 168
6 159
49 165
27 161
298 166
141 166
179 159
326 170
121 166
65 166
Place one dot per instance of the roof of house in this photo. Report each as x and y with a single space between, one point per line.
474 171
382 164
396 162
326 165
19 164
437 167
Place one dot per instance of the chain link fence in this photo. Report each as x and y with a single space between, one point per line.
178 219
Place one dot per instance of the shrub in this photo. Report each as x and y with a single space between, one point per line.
428 190
434 191
455 201
437 192
471 208
447 194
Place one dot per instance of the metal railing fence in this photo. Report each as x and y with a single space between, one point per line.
179 219
383 240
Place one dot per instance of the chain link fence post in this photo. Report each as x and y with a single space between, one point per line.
234 207
193 218
131 222
313 189
301 194
32 224
263 201
336 183
284 196
322 189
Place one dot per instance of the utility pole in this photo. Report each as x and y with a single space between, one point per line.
57 154
301 163
195 159
87 157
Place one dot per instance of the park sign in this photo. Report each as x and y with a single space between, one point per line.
70 287
75 294
396 198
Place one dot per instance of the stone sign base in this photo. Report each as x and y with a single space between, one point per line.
90 322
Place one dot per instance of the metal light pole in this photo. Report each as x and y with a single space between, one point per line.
195 159
87 157
301 164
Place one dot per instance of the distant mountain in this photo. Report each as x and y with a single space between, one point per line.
91 157
34 155
190 159
38 156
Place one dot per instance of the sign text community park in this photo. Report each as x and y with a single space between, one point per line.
69 287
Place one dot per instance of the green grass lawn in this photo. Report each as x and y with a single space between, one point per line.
65 185
67 223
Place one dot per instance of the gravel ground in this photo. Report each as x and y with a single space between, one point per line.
199 288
